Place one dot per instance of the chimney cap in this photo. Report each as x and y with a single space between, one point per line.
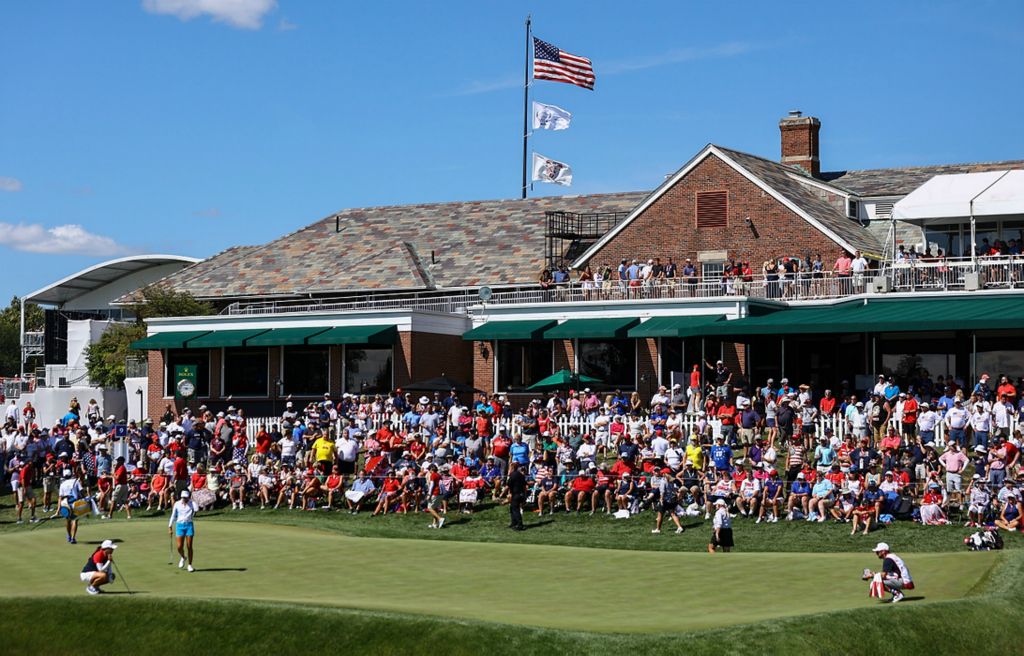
795 113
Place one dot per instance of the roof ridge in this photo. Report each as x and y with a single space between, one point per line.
925 166
489 200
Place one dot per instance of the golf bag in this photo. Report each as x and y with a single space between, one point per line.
986 540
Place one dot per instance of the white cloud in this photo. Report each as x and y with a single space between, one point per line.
243 14
208 213
285 25
58 240
722 50
10 184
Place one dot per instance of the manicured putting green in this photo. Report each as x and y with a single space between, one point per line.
546 586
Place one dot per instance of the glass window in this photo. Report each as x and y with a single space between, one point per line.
246 372
999 354
304 370
613 361
713 270
368 370
672 361
200 359
521 364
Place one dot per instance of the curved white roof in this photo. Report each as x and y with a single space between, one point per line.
959 195
102 274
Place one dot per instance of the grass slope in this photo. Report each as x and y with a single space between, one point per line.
977 625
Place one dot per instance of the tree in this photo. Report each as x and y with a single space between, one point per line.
10 331
106 358
163 302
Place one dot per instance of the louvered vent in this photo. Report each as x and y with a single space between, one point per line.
712 209
883 210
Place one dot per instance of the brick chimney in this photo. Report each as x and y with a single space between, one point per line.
800 142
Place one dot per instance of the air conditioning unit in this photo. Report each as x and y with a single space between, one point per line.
972 282
881 285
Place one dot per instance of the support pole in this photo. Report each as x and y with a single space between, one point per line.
526 104
974 245
21 340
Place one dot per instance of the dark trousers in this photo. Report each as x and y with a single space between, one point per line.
515 510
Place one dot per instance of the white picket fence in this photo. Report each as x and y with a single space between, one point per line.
585 424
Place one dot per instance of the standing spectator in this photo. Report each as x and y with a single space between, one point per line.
721 535
953 461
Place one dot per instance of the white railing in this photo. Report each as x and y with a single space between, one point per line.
585 424
998 272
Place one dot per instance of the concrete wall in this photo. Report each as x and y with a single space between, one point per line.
51 403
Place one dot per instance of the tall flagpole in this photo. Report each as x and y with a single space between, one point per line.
526 103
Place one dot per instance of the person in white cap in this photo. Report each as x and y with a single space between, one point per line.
70 491
97 569
721 532
183 513
895 575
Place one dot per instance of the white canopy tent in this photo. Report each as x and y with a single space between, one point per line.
963 196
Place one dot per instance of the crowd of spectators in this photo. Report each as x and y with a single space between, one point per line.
763 451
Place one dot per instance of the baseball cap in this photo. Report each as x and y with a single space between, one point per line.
881 546
185 494
801 475
108 544
720 502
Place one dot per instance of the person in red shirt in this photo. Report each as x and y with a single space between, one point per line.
389 491
417 449
827 405
459 470
181 477
263 443
120 495
604 484
198 479
311 490
499 448
483 425
836 476
694 401
726 413
97 569
582 488
1006 388
909 417
621 468
157 489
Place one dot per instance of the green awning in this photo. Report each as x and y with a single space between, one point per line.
883 315
675 326
174 340
592 328
225 338
532 329
381 334
285 336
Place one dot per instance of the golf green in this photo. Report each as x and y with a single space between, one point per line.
568 588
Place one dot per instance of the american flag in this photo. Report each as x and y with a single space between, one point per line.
550 63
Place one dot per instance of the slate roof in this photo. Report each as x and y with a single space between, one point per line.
390 248
902 181
780 178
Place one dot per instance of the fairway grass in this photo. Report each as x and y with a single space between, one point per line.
553 587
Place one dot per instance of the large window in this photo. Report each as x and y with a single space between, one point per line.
200 359
305 370
672 350
612 360
521 364
368 369
246 372
999 354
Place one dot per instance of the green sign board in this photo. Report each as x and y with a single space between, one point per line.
185 380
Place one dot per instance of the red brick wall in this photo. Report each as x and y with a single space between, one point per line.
800 145
483 367
402 363
436 355
565 356
647 367
668 227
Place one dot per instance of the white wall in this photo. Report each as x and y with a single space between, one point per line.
51 403
131 388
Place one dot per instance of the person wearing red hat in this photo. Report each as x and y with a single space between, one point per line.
668 499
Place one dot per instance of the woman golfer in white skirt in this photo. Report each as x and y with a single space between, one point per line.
182 527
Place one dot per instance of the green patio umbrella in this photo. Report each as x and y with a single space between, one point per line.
564 379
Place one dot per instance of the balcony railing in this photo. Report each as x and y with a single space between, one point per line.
924 276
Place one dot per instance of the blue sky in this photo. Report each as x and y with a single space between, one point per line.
188 126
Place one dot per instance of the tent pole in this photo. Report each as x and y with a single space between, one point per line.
974 245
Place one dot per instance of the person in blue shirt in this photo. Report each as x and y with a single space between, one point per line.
771 501
892 390
520 452
721 455
946 401
620 403
411 419
824 455
799 495
491 474
767 392
822 498
628 451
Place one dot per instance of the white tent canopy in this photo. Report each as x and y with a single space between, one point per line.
963 195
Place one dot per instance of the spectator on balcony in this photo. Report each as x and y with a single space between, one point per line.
587 284
546 280
689 274
670 272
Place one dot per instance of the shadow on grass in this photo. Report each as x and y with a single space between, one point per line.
114 540
111 593
542 522
222 569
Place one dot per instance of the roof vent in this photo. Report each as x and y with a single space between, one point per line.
795 113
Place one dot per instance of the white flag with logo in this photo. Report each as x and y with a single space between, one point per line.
548 170
550 117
